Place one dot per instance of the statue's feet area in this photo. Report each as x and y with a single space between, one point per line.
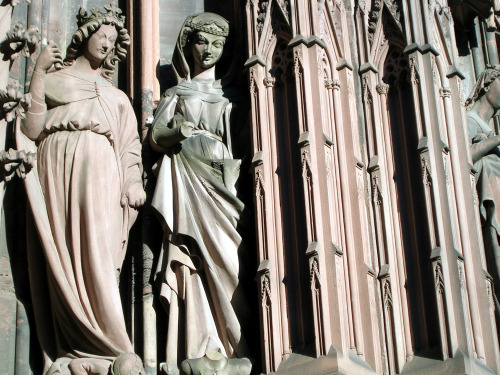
124 364
169 369
127 364
214 363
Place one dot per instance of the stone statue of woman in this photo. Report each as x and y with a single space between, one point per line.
84 194
483 103
196 200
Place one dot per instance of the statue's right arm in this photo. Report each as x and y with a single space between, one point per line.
170 136
168 130
35 117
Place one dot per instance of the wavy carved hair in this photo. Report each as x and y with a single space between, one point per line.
83 34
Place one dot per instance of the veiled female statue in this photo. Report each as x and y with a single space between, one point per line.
484 103
84 194
196 200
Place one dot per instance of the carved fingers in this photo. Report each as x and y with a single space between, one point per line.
50 55
134 197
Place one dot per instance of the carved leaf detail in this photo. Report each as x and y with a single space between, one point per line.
439 278
16 163
19 40
314 275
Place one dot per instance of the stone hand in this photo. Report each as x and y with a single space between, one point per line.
482 136
186 129
134 197
50 55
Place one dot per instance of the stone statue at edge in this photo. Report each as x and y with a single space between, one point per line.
84 193
483 104
196 200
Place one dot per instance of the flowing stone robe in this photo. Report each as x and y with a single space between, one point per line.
488 190
201 216
88 155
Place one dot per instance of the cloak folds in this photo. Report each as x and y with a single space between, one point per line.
88 154
200 213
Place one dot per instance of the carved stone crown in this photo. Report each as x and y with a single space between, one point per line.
111 13
214 28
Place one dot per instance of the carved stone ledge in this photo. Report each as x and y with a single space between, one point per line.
255 59
332 363
460 364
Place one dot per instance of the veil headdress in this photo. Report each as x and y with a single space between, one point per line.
210 23
490 74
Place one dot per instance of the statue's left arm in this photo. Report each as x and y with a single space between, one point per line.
130 155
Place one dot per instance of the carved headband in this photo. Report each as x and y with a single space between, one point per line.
213 28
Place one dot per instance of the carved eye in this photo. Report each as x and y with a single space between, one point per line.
201 40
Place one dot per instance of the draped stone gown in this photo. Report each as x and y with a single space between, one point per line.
88 155
195 197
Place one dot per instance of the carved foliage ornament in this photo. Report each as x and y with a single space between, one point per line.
373 18
259 183
367 90
269 81
19 40
298 63
253 83
306 166
333 84
387 294
393 7
376 191
283 7
414 70
261 15
426 171
382 88
314 274
111 13
16 163
445 92
14 104
13 101
265 290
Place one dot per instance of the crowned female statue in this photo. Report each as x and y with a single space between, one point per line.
484 103
84 193
196 200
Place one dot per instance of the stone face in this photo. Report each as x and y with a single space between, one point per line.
362 194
